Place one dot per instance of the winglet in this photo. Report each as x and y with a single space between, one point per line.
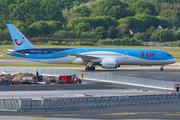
19 40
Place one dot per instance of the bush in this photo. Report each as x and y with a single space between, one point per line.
104 21
117 41
39 28
85 35
113 32
91 44
5 42
84 43
105 42
125 41
101 32
50 43
163 35
140 36
64 43
56 43
39 43
77 43
93 34
176 43
87 43
65 34
134 42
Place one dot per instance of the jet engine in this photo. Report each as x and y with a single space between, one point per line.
109 63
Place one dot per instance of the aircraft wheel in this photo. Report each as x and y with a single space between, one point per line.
92 68
87 68
161 69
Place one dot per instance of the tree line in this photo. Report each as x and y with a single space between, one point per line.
99 19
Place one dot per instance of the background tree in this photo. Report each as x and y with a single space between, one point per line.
172 17
94 22
162 35
166 6
75 15
83 27
125 30
105 21
177 35
131 22
83 10
140 36
113 8
166 35
30 9
39 28
54 25
166 1
101 32
155 35
113 32
147 21
150 31
143 6
125 40
50 12
17 14
4 8
22 27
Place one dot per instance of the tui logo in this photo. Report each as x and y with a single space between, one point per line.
147 53
17 42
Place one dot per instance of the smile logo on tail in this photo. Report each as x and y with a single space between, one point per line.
17 42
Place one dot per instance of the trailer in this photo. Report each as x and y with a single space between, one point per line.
68 79
177 87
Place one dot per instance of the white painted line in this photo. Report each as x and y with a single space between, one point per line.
129 84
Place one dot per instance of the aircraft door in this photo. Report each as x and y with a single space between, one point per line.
159 55
39 54
125 55
45 54
78 52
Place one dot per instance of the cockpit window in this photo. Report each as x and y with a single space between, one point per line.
169 55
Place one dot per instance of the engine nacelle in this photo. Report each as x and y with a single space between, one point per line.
109 63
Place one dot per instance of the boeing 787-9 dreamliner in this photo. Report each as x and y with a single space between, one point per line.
106 58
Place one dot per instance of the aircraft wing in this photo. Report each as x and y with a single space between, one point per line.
84 57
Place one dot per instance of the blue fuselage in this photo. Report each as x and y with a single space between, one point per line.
124 56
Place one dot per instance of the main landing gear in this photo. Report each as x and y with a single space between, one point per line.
90 68
161 69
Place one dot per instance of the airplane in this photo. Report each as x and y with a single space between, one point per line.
105 57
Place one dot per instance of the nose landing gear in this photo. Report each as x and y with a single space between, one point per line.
161 69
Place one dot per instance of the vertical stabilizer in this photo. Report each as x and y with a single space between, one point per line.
19 40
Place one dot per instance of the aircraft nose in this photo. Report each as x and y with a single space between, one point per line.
174 60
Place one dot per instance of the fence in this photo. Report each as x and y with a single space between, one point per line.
10 104
90 75
88 102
